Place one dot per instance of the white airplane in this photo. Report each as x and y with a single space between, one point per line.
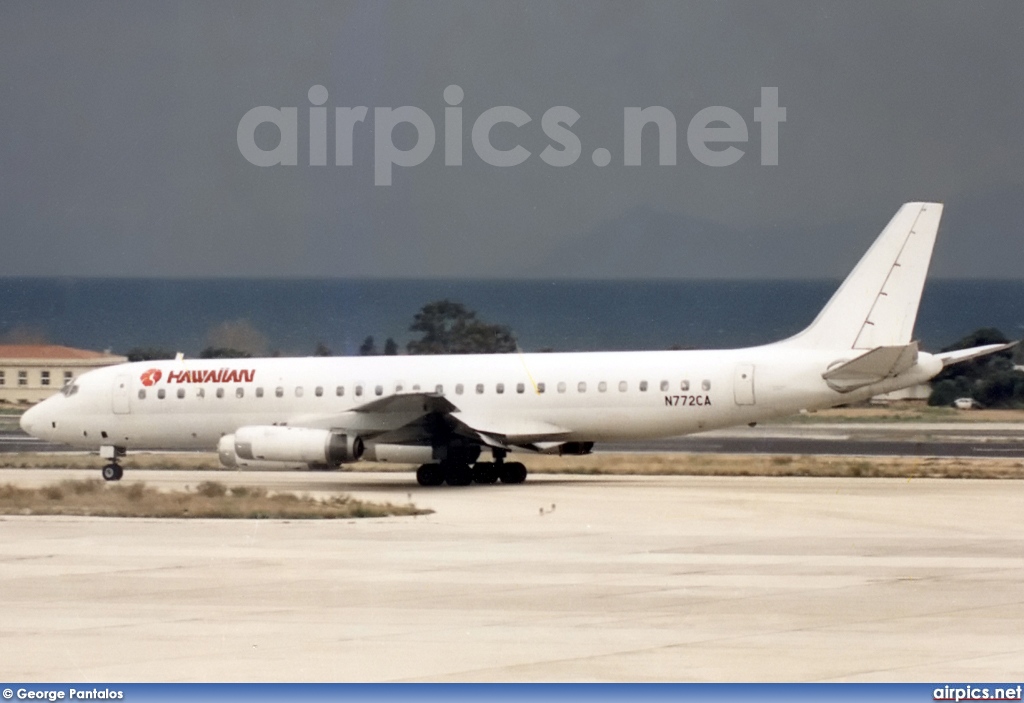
446 411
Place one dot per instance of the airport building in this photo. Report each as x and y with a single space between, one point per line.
31 372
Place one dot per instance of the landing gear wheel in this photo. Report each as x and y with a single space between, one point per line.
485 472
112 472
430 475
458 474
513 472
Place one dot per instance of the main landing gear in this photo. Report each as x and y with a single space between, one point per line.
456 473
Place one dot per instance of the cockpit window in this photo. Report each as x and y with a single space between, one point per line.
69 390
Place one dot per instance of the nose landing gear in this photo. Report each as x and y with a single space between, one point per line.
112 471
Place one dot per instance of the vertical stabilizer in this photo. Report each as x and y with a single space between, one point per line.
877 303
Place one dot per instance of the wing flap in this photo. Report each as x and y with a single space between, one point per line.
504 431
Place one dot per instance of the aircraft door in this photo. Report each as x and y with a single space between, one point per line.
743 384
121 395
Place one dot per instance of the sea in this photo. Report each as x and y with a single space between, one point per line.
290 317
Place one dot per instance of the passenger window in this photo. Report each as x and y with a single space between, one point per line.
520 388
378 390
561 386
540 387
161 394
684 385
581 387
239 392
500 388
339 391
479 388
459 388
259 392
279 392
398 388
664 385
602 387
298 391
643 386
220 392
319 391
623 386
200 392
705 384
181 393
439 389
416 387
359 391
142 394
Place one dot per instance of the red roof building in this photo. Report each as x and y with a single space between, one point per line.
31 372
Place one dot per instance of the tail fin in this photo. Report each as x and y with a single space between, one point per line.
877 303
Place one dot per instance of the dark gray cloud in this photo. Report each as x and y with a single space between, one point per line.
118 154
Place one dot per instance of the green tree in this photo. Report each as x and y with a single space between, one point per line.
223 353
368 347
991 380
390 347
322 350
450 328
148 354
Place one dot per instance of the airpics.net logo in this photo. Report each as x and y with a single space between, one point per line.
714 135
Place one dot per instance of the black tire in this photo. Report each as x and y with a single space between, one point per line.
429 475
458 474
513 472
485 472
112 472
120 473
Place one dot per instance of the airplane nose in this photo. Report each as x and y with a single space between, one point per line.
29 420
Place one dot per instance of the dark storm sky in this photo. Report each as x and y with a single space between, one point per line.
118 153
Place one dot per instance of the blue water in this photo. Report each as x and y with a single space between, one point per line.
293 315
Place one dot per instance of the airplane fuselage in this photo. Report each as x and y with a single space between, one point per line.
595 397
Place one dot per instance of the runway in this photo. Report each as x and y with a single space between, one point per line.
563 578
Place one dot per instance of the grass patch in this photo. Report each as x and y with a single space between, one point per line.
680 464
900 413
624 464
170 461
210 499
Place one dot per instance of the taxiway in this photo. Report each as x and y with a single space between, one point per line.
562 578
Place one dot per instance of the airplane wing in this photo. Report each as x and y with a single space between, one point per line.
422 418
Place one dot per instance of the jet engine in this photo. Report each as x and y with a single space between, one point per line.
291 444
228 457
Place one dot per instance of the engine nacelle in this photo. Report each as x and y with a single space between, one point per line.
399 453
227 456
298 444
566 448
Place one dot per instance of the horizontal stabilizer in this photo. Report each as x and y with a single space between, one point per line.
953 357
876 365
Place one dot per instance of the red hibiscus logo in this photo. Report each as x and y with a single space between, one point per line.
150 377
